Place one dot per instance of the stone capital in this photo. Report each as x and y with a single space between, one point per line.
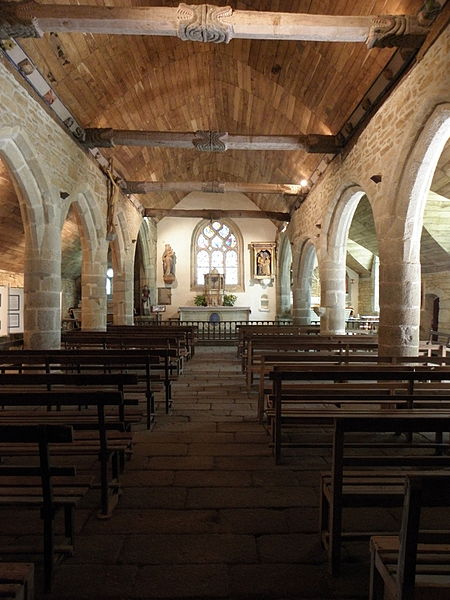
16 20
204 23
403 31
209 141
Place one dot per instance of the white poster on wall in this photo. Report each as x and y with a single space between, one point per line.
3 310
15 310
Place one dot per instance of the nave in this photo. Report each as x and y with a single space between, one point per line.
205 512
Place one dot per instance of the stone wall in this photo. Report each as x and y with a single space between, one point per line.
384 148
439 285
11 279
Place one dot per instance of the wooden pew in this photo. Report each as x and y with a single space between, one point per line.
45 487
104 340
96 433
372 481
312 382
152 367
317 361
311 345
17 580
414 565
190 332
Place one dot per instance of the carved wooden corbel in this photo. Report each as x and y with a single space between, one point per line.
16 20
403 31
204 23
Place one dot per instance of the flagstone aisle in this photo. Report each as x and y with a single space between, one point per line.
205 513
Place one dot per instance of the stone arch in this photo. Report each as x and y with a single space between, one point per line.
145 267
40 212
418 174
332 257
305 256
89 218
30 183
284 278
400 270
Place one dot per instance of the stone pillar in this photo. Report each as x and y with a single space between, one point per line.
123 295
42 287
398 334
302 301
93 291
332 293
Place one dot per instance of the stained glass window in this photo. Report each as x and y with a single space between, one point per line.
216 246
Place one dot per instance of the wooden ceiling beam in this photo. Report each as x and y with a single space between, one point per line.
218 214
206 23
214 187
211 141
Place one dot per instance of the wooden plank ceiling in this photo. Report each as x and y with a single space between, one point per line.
249 87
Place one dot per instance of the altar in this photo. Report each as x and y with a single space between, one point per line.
203 313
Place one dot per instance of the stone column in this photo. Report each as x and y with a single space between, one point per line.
302 301
332 293
123 296
93 291
42 287
398 334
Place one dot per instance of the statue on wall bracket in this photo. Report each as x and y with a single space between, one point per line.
168 260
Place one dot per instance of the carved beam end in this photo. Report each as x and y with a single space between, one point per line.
99 138
209 141
401 31
204 23
428 13
17 21
321 144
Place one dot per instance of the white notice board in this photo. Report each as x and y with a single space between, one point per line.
15 310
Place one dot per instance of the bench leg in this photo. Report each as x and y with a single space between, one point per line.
376 589
69 530
49 548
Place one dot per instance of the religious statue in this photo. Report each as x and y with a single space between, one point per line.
168 260
263 260
145 300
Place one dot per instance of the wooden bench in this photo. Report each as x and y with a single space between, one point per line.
104 435
329 387
316 361
46 488
17 581
375 479
152 368
190 332
309 345
415 564
104 340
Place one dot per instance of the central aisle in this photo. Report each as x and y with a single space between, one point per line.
205 513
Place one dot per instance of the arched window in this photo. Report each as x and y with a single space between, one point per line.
217 244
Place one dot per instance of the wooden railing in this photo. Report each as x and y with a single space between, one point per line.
221 331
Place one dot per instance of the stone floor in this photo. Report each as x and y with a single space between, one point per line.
205 513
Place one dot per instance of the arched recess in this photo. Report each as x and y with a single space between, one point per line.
284 287
145 269
400 262
84 205
332 258
305 259
39 209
